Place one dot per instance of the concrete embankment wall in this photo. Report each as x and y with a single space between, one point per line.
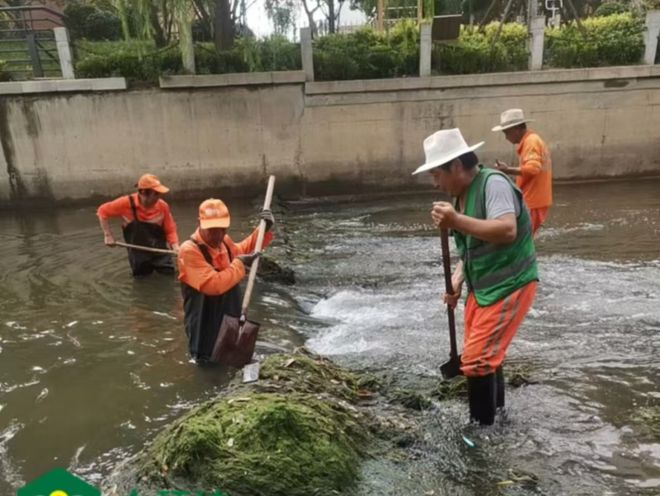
82 140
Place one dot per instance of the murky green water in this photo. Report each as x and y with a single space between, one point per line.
93 363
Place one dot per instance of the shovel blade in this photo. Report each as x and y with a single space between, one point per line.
451 369
235 344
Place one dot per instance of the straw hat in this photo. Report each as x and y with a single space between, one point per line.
511 118
442 147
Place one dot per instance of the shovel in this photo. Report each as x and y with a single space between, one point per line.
452 368
238 336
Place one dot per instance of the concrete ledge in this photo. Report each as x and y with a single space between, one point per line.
238 79
62 86
493 79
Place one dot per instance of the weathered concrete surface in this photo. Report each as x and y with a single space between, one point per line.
82 146
317 138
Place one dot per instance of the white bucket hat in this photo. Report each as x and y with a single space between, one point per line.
442 147
511 118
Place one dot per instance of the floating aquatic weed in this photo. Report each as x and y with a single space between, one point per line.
298 431
309 373
271 271
260 443
411 399
649 417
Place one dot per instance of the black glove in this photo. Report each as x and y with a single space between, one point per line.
249 258
267 215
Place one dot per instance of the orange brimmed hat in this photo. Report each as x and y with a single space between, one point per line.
213 213
149 181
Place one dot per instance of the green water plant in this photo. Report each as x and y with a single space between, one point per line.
260 444
649 418
298 431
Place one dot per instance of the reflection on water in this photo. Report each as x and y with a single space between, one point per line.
93 363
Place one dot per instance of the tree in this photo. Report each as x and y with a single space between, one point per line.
156 19
283 15
283 10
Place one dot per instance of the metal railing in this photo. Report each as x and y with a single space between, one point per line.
27 41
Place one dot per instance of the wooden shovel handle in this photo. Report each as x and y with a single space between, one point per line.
444 238
145 248
260 241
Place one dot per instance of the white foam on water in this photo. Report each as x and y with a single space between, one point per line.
12 324
163 314
364 321
552 232
42 395
8 471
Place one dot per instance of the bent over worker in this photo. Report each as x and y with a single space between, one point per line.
147 221
493 235
534 172
211 265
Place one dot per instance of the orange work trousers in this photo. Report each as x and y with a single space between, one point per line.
489 330
537 216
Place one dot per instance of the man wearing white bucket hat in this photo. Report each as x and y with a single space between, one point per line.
492 231
534 171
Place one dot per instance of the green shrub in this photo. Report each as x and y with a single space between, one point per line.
131 62
613 40
269 54
208 61
609 8
366 54
4 72
102 25
140 61
650 5
85 21
475 51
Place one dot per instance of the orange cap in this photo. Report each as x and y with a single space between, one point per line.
213 213
149 181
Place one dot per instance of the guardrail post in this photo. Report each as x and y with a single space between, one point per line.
537 34
64 53
651 36
33 50
306 53
425 49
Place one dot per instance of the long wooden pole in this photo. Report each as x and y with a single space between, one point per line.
145 248
260 239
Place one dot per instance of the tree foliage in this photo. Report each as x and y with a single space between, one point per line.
163 21
283 14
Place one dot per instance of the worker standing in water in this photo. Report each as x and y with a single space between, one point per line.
147 221
534 171
493 234
211 265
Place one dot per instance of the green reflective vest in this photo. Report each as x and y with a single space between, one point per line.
493 272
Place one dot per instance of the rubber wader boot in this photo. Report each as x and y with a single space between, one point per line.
482 392
499 377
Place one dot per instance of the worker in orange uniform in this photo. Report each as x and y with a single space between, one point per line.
534 171
147 221
211 265
492 231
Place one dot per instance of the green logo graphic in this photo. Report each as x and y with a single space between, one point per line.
58 482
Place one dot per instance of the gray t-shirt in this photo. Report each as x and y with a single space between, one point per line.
500 198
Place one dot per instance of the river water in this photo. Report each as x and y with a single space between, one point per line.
93 363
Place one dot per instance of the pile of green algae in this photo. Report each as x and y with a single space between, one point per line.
302 429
